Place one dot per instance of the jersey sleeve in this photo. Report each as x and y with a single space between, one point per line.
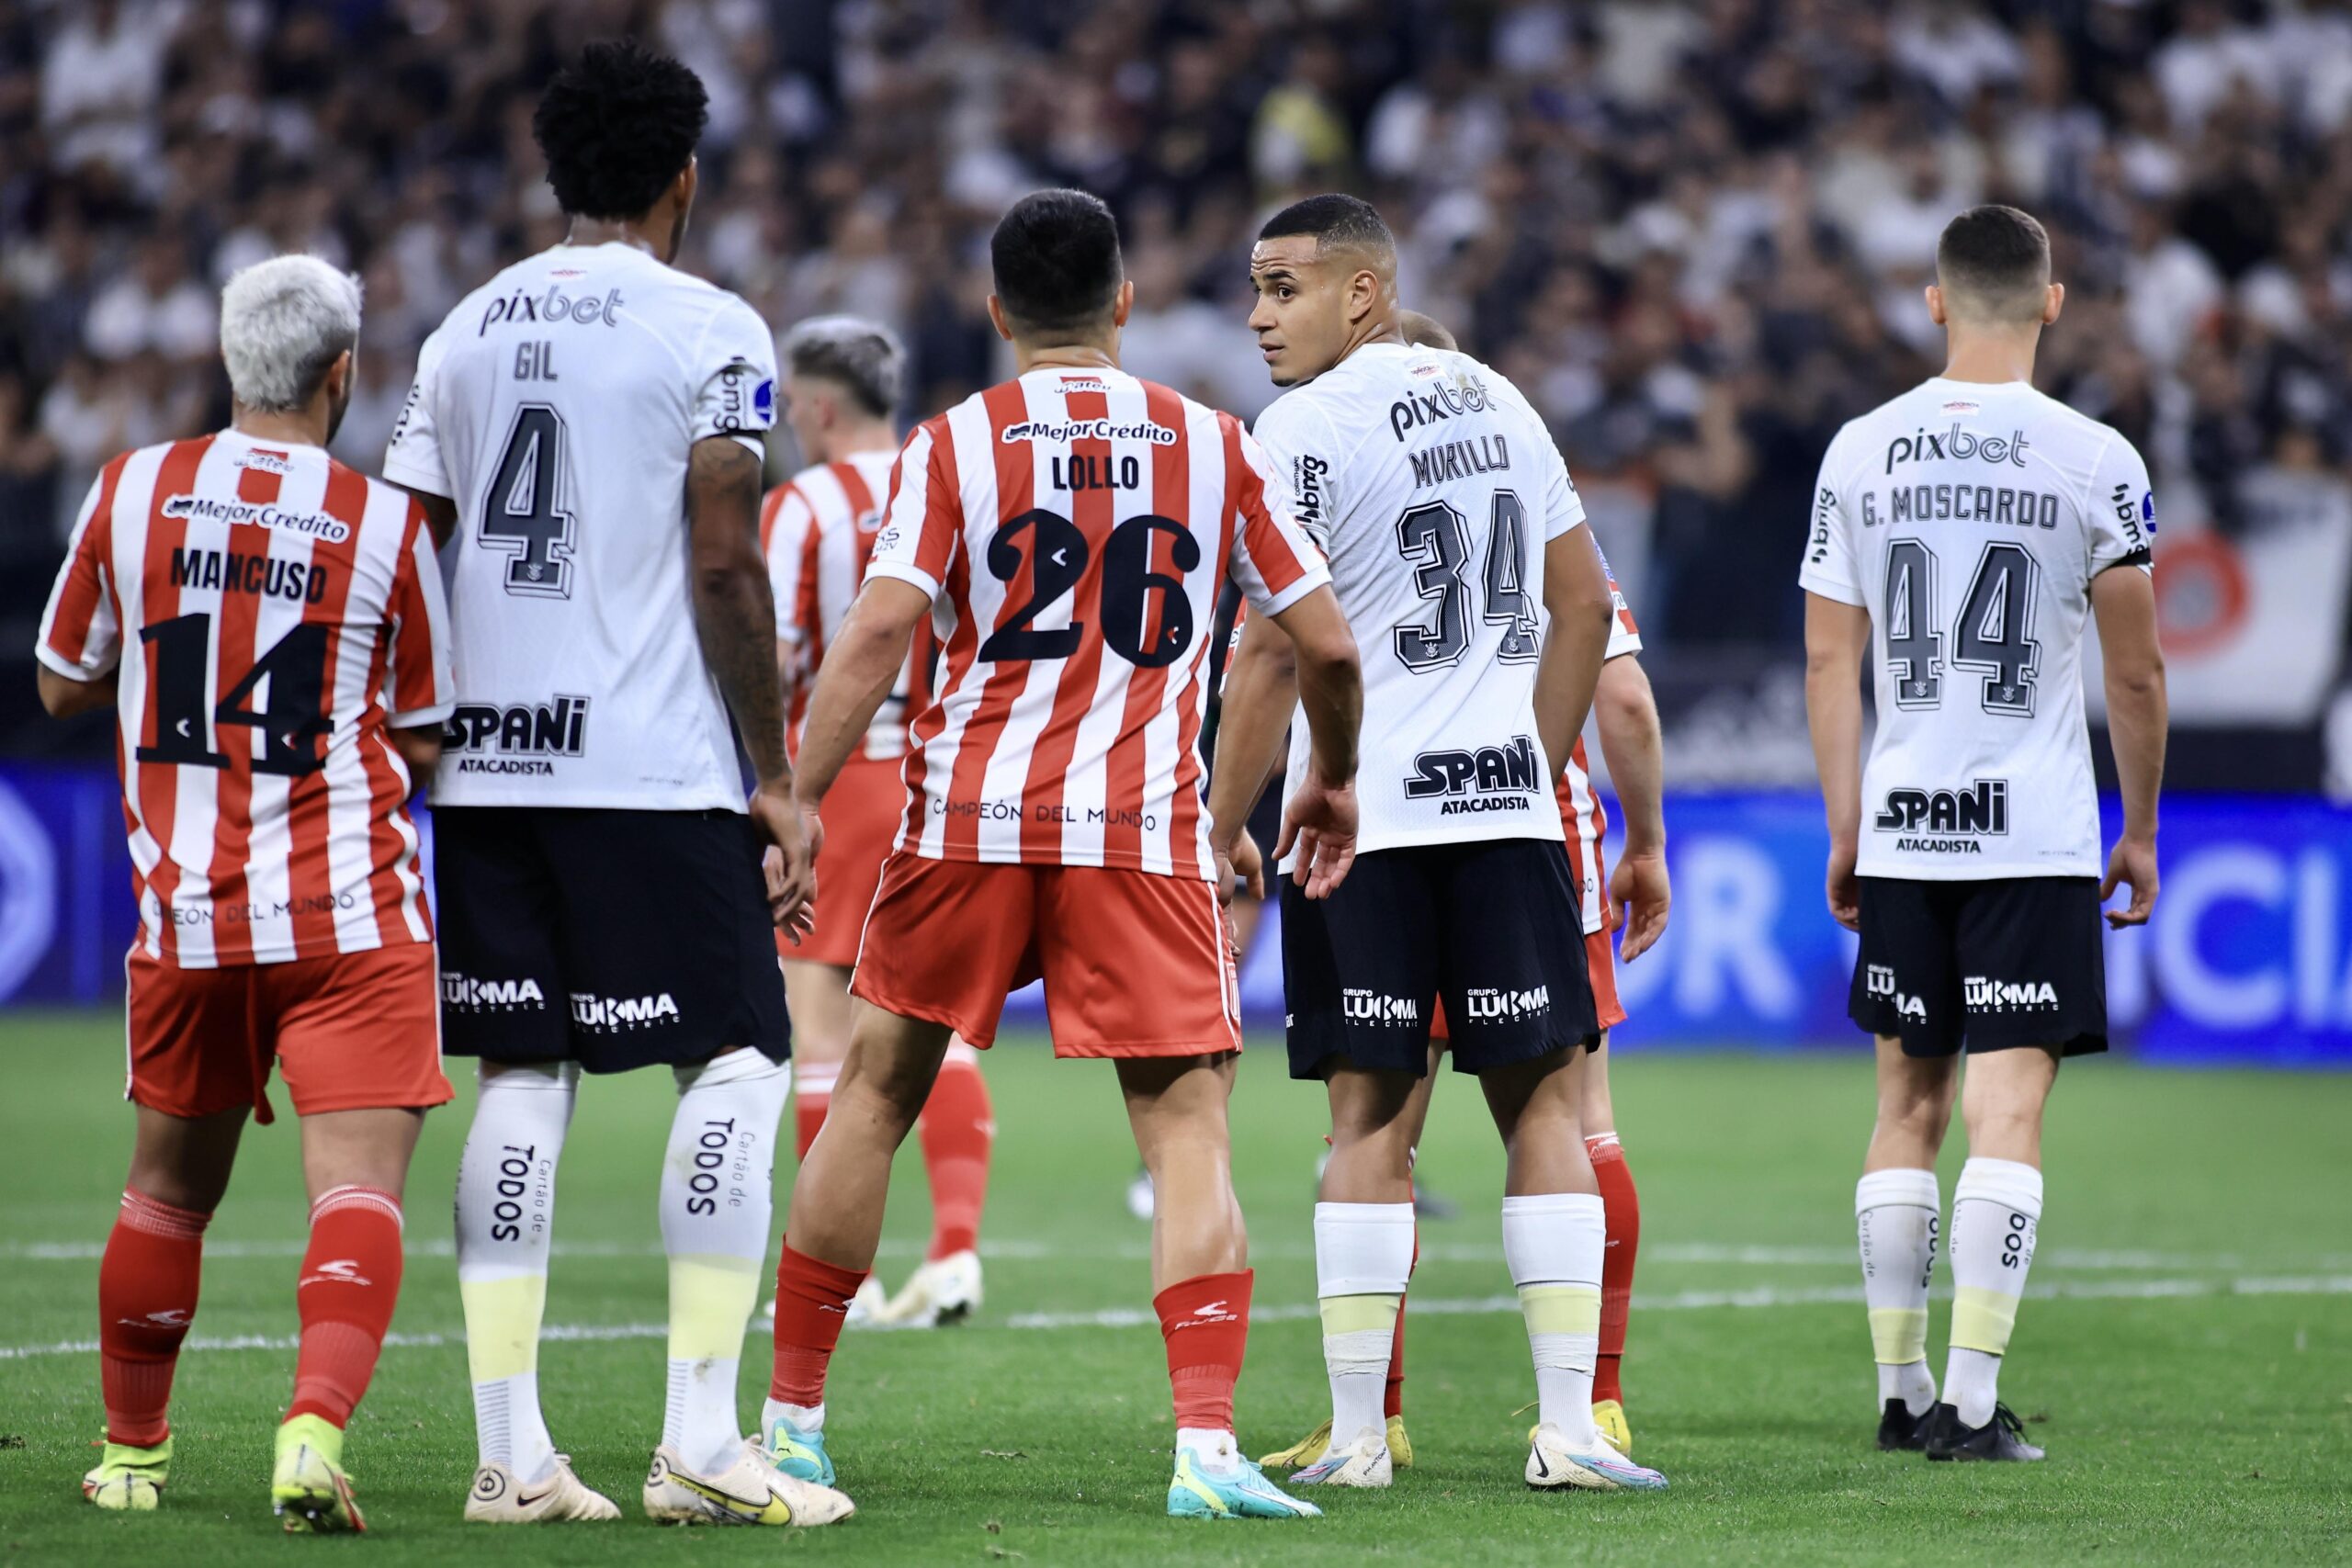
788 534
2119 511
1624 636
81 630
413 457
1275 563
734 378
1300 452
1829 567
923 517
420 687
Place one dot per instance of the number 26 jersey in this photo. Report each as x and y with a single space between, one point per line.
1969 518
1071 529
556 406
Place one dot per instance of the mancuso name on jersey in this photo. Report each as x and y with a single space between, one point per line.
1433 489
1969 519
556 407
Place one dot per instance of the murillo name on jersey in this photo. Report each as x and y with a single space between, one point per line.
1977 584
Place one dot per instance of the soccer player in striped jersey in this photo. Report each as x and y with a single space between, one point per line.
842 381
1456 548
1066 534
1970 527
288 672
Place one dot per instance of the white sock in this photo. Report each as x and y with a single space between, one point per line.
717 1185
505 1220
1895 1215
1996 1210
1554 1243
801 1417
1364 1254
1215 1448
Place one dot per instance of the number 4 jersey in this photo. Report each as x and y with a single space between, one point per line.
267 613
1071 529
1969 518
556 406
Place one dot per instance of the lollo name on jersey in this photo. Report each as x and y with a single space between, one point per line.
1955 445
1952 819
522 735
1492 778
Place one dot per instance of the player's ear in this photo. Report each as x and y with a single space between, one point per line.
2053 300
1936 305
688 179
996 319
1123 304
337 383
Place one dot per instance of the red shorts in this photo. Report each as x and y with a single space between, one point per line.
863 813
1600 963
351 1032
1135 963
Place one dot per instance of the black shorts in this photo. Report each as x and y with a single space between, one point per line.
2018 961
1492 927
613 938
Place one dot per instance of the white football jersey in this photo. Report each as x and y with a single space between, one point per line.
556 406
1433 487
1969 519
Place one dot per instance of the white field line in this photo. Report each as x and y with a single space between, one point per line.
1016 1251
1290 1312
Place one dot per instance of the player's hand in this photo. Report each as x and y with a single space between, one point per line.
1844 888
2134 861
1639 887
1247 862
1320 823
792 832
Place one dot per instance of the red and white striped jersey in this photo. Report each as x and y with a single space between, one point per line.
818 529
1580 807
287 610
1072 528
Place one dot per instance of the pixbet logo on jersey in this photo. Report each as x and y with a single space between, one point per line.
522 735
1463 395
1946 821
1956 445
1492 778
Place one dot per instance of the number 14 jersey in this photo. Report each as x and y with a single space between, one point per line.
1071 529
1969 518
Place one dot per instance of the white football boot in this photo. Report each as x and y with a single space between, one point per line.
944 1291
499 1499
1550 1463
1363 1463
750 1491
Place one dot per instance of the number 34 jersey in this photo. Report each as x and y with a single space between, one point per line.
267 613
1969 518
1434 488
1071 529
556 406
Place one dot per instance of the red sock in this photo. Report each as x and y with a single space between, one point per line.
811 1095
957 1132
1622 1210
147 1285
1206 1320
811 1300
351 1279
1392 1401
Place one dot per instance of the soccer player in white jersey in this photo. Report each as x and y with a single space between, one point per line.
1970 525
587 429
1458 552
841 379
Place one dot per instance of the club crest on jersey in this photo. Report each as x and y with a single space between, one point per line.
1491 778
1985 994
1946 821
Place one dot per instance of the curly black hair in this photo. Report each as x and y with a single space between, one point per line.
617 127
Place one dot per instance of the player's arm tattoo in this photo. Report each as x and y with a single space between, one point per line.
734 607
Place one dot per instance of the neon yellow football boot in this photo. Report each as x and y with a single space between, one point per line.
1313 1445
130 1479
308 1490
1609 1415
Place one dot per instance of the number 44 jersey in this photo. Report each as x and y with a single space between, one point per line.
1969 518
556 406
1434 488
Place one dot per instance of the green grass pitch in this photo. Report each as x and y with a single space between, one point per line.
2187 1356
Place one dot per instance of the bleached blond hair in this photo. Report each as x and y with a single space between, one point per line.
283 322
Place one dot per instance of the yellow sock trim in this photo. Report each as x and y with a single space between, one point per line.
502 1324
1358 1314
1899 1335
1982 1319
711 1298
1561 1309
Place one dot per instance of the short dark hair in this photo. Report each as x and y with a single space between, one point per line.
862 357
1997 259
616 126
1056 256
1334 220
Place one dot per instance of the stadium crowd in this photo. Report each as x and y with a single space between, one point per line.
1695 233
